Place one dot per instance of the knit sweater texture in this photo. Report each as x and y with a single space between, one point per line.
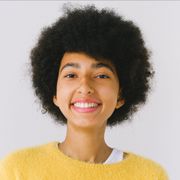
47 162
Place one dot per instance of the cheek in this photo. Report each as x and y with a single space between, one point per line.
109 95
63 94
110 90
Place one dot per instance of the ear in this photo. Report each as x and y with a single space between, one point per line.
55 100
120 102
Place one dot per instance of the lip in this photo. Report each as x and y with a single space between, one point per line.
85 110
86 100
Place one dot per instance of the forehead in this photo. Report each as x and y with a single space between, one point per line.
76 60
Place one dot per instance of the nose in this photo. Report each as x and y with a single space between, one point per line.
85 87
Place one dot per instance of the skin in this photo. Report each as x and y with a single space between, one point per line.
80 78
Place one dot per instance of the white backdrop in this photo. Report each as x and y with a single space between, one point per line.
154 130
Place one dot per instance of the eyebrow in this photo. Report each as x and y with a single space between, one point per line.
94 66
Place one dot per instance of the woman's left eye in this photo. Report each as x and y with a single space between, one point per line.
103 76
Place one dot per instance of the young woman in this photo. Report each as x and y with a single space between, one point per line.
90 70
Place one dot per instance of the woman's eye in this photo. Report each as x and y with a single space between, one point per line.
102 76
70 76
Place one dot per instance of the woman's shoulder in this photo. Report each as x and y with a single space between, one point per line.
25 154
145 164
20 162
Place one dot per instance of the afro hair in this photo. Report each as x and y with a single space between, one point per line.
101 34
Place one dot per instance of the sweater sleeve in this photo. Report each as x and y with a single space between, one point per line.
163 175
6 170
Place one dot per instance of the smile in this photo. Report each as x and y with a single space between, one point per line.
85 105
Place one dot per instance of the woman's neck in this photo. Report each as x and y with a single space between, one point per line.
88 146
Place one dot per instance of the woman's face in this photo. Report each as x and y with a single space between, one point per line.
87 90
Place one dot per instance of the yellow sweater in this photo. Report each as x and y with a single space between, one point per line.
47 162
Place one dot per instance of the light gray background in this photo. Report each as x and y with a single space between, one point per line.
154 131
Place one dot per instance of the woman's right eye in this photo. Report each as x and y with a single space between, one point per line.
70 75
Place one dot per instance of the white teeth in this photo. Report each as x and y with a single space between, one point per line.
85 105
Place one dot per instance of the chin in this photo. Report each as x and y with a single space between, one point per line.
84 123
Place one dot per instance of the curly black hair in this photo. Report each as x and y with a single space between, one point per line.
101 34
